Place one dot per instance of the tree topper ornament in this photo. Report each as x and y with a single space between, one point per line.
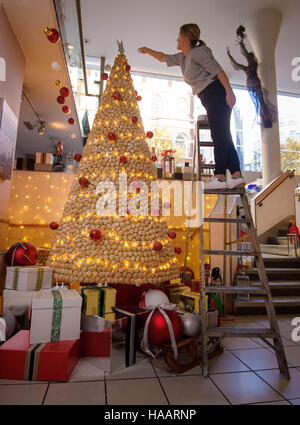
121 47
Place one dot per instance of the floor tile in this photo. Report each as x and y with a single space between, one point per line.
20 382
225 363
135 391
143 369
262 358
296 401
293 355
192 390
244 388
287 388
247 325
232 343
72 393
22 394
85 371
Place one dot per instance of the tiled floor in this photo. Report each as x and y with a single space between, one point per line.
246 373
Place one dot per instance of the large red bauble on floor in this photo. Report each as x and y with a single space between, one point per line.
21 254
158 331
96 234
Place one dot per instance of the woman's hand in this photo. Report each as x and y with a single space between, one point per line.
143 50
230 99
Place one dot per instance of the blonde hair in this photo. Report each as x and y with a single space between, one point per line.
192 31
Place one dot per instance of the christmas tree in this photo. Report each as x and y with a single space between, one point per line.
108 231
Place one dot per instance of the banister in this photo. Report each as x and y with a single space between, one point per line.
267 190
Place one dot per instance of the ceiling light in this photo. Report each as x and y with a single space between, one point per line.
41 129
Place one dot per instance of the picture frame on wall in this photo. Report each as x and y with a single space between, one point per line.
8 136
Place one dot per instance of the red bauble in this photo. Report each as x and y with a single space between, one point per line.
149 134
123 158
60 99
172 234
128 67
111 136
137 190
178 250
83 181
154 158
157 246
96 234
134 120
128 213
64 91
21 254
77 156
104 76
138 98
53 36
158 331
117 96
71 121
136 93
54 225
65 109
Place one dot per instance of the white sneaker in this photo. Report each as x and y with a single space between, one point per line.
237 183
215 183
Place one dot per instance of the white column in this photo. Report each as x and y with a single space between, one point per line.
262 30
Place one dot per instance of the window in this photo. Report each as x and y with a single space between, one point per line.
156 108
181 143
182 109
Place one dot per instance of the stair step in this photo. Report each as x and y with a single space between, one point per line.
283 262
280 284
277 240
229 252
260 302
278 271
224 191
276 249
225 220
241 332
234 289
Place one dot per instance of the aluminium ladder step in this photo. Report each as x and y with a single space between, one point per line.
234 289
241 332
206 144
229 252
208 166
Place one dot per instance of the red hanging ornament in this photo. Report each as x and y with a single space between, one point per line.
54 225
157 246
154 158
52 34
128 213
65 109
60 99
83 181
137 190
138 98
117 96
111 136
104 76
136 93
171 234
158 331
21 254
123 158
127 67
77 156
178 250
96 234
64 91
71 121
134 120
149 134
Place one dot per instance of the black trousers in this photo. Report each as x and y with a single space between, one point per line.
213 98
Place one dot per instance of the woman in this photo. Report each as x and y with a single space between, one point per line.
209 82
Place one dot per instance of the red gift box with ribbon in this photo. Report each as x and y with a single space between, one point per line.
52 361
95 344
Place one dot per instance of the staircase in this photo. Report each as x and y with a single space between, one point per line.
278 245
284 281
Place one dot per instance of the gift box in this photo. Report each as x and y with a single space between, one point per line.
29 278
95 344
192 299
55 316
98 300
53 361
95 323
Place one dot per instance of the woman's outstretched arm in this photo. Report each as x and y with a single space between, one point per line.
160 56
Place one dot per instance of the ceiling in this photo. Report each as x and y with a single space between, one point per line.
152 23
28 18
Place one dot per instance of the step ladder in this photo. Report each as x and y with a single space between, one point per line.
273 331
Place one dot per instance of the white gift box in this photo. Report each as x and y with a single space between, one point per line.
29 278
94 323
55 316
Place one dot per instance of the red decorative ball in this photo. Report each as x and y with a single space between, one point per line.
83 181
128 67
65 109
53 36
157 246
138 98
134 120
21 254
71 121
123 158
128 213
149 134
104 76
171 234
117 96
154 158
96 234
77 156
64 91
178 250
54 225
158 331
136 93
111 136
60 99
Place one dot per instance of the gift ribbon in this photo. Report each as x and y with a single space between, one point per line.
16 278
169 324
56 317
101 309
16 246
32 361
39 279
167 152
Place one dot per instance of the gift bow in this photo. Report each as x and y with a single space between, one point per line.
16 246
160 307
294 228
168 152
